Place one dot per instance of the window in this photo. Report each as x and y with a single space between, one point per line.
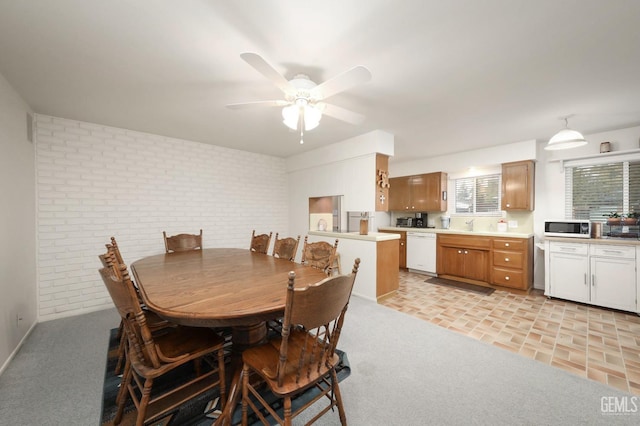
593 191
479 194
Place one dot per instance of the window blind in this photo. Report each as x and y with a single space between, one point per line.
594 191
479 194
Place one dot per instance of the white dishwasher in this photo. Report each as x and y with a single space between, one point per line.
421 251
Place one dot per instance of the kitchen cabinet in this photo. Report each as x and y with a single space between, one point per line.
435 187
465 263
486 260
402 249
598 274
518 185
512 262
418 193
399 193
463 257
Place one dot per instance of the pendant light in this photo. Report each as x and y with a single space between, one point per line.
566 138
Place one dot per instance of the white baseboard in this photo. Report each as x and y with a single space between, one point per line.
17 348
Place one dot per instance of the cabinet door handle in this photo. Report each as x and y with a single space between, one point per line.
506 259
459 251
585 278
466 252
506 278
506 244
593 280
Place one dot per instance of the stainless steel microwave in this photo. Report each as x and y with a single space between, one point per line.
572 228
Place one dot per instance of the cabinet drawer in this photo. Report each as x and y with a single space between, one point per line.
464 241
508 278
509 244
620 252
509 259
569 248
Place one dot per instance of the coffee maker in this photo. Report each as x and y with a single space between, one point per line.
420 220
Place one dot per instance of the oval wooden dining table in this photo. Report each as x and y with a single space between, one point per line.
220 287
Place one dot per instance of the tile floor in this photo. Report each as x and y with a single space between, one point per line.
596 343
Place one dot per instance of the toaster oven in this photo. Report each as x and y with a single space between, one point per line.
404 222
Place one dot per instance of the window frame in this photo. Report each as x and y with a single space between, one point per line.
475 175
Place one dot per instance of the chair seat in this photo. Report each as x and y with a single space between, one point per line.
264 360
182 343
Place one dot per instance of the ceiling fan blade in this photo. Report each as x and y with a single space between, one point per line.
258 104
352 77
264 68
341 113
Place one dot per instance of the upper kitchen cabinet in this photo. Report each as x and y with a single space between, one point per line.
399 195
518 185
419 193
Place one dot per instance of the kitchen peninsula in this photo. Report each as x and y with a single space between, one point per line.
378 276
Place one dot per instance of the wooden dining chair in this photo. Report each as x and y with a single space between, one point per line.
286 248
320 255
304 355
182 242
150 357
260 243
154 322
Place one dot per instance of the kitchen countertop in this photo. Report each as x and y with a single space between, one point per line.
371 236
457 231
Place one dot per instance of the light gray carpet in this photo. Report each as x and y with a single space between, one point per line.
405 371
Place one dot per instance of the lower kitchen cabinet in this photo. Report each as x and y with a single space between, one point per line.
613 283
463 257
512 263
402 251
466 263
598 274
487 260
568 271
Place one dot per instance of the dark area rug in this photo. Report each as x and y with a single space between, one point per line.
461 286
197 412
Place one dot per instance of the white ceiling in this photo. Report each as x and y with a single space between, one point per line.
448 76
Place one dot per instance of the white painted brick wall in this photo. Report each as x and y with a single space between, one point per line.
94 182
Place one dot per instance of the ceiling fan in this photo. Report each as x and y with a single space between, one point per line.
303 103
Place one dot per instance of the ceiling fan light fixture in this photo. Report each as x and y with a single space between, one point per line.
310 116
290 116
566 138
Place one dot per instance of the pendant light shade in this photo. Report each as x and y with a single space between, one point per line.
566 138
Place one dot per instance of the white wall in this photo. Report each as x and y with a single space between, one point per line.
455 163
95 181
346 168
17 224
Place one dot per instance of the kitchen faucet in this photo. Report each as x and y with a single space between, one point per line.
469 225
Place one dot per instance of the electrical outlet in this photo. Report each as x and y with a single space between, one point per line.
513 224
